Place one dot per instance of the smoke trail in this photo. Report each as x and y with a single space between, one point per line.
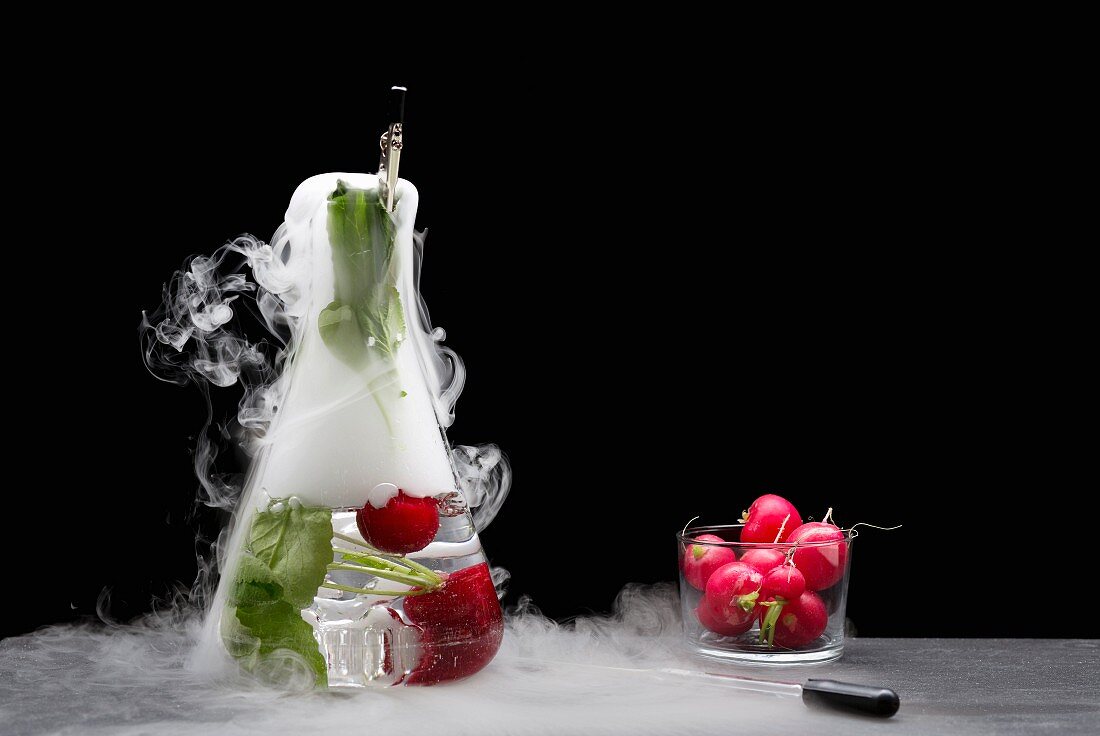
485 478
189 339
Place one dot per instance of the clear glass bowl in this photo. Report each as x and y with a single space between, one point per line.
730 623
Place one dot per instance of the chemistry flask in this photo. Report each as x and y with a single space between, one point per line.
354 558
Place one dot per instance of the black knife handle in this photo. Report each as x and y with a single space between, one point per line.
876 701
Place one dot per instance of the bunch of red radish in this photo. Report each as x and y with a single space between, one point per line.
775 583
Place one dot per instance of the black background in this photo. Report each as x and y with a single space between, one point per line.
792 280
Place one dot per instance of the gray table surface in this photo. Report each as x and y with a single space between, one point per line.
974 686
58 685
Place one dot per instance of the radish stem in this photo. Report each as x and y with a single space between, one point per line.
385 574
369 591
403 561
352 540
372 561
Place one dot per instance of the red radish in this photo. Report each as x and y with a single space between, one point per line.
461 626
764 558
405 524
732 591
700 560
785 582
771 518
720 626
801 621
823 566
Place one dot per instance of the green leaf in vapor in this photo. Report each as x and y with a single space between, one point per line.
296 544
367 304
285 560
280 625
341 333
255 583
238 640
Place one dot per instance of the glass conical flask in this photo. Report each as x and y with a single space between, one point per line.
354 559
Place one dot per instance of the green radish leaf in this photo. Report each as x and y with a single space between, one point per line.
238 640
284 563
340 332
366 317
296 544
278 626
255 583
334 316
